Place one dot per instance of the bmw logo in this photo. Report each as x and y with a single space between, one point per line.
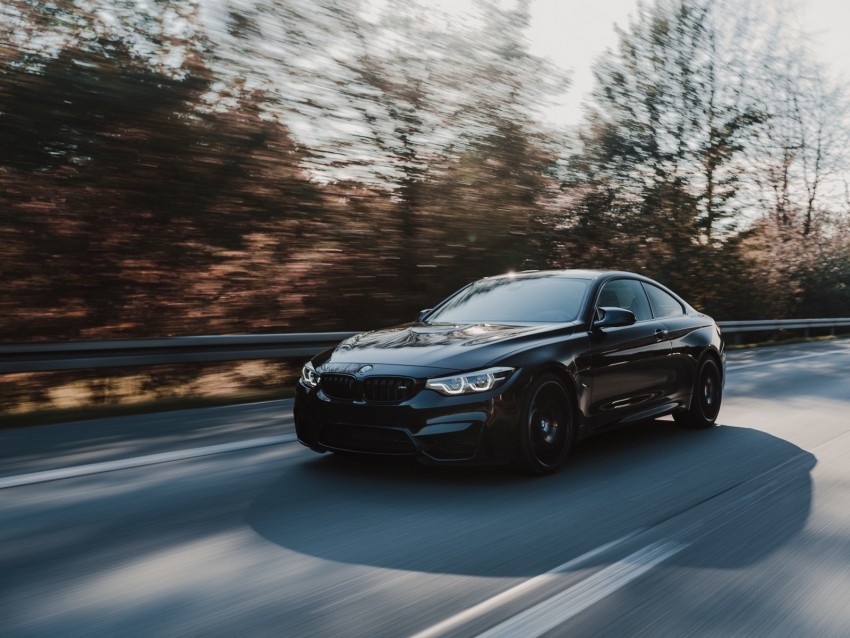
364 369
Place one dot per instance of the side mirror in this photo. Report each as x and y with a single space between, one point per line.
613 318
422 314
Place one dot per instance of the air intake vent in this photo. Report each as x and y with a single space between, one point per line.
356 438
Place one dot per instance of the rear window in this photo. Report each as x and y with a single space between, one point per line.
663 304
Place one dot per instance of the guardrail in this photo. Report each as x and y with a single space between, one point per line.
739 328
75 355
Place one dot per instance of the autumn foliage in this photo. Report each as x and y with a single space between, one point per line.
159 181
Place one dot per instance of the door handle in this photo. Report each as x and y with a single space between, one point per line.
661 334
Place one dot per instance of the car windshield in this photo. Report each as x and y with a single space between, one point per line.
540 299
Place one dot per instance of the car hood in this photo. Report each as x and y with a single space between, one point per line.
446 347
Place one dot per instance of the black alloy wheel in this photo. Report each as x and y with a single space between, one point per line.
705 402
548 426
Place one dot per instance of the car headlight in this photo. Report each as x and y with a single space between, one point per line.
309 376
470 382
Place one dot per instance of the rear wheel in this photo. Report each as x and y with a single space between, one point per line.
547 429
705 402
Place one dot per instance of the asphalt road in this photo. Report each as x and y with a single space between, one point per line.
214 522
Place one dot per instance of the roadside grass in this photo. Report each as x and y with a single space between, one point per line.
30 399
85 413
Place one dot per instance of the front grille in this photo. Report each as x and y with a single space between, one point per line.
339 386
345 387
360 438
388 389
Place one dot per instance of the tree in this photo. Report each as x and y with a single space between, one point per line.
800 154
124 183
657 180
415 106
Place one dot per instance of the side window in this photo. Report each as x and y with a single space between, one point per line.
663 305
628 294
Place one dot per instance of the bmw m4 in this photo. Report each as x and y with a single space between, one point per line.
514 369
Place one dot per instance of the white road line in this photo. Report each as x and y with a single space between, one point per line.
559 608
785 360
523 588
139 461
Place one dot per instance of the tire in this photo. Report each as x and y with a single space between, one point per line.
705 401
548 426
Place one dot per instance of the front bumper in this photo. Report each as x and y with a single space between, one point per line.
461 429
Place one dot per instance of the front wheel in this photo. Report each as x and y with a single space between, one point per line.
548 428
705 402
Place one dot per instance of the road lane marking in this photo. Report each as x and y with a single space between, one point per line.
784 360
139 461
521 589
558 609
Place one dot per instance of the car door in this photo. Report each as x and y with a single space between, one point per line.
680 328
629 371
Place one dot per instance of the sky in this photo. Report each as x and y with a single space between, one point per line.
573 33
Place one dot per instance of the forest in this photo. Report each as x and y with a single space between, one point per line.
176 168
284 166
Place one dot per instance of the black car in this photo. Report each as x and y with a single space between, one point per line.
514 369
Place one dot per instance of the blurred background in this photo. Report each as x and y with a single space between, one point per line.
237 166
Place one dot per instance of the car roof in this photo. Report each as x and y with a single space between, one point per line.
570 273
